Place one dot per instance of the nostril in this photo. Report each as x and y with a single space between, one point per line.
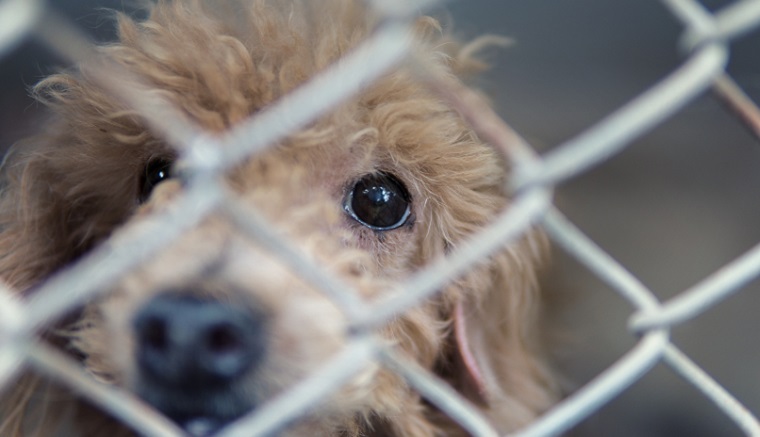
224 339
153 334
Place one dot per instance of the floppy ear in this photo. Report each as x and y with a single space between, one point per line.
37 236
26 252
23 204
17 270
496 339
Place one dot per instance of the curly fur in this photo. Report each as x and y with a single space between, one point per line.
75 184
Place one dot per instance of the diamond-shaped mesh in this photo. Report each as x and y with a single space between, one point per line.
706 36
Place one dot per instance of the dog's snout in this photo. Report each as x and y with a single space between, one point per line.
194 344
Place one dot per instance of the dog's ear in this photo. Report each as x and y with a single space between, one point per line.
498 363
471 381
35 239
23 258
20 227
33 222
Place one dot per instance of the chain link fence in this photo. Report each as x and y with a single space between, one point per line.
706 38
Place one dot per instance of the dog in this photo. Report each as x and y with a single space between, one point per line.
214 326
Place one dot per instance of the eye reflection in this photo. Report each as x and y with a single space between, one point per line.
379 201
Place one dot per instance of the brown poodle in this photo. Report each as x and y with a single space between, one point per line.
214 326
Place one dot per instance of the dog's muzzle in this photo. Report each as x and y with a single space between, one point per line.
193 355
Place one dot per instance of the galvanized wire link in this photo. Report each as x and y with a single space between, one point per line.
729 92
206 156
120 404
352 73
302 398
511 225
164 120
733 21
10 364
589 398
692 14
617 130
714 391
97 272
572 240
484 121
17 20
251 222
12 335
439 394
11 312
704 295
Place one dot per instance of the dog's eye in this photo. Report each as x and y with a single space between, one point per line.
379 201
157 171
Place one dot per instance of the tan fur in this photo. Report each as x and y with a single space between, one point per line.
69 188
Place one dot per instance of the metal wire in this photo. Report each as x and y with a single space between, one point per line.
706 37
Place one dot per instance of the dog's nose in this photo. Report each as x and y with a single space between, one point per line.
192 344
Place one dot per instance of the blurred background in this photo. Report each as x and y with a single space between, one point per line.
675 206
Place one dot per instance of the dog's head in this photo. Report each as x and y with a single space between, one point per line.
215 325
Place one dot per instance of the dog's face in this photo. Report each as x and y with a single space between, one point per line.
218 320
215 325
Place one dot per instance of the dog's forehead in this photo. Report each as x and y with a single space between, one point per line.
222 65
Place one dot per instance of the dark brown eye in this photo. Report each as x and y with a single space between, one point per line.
379 201
156 171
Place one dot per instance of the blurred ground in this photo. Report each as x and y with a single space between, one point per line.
676 205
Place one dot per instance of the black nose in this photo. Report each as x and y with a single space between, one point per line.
194 345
